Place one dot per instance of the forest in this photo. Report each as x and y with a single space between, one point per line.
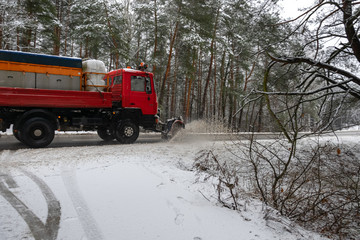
238 63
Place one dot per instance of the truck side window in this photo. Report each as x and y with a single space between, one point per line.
137 84
118 79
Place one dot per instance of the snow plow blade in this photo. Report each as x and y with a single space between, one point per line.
172 127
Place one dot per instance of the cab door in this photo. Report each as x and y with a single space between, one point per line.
116 83
142 94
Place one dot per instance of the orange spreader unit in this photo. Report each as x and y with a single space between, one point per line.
45 81
29 70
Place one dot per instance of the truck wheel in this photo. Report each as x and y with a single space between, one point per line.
127 132
37 132
106 134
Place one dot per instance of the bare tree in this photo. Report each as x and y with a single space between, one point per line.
327 77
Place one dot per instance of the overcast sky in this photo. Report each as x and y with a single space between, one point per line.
291 7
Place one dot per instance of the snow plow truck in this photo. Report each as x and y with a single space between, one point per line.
40 94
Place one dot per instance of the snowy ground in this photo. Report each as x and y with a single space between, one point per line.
139 191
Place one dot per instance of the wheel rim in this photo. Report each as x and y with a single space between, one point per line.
37 133
128 131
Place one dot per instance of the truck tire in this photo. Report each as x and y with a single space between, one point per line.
106 134
37 132
127 132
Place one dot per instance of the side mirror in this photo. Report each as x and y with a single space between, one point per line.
148 89
148 85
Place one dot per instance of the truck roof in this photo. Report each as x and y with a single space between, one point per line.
128 70
33 58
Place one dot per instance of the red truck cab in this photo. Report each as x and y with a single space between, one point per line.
133 89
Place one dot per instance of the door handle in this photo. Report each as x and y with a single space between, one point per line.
132 103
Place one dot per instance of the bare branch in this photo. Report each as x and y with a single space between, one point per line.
306 93
294 60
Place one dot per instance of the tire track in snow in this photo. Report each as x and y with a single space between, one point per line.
87 221
33 222
54 208
39 230
4 174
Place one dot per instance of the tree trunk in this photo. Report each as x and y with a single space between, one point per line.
351 33
113 37
1 32
86 47
167 100
57 29
67 26
199 85
185 94
189 91
72 49
210 66
192 99
28 35
231 97
172 42
35 36
173 89
222 85
235 96
260 117
138 46
156 38
80 52
17 40
56 50
215 86
224 88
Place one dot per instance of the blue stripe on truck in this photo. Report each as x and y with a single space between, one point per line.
42 59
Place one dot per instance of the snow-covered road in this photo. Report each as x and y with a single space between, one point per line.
140 191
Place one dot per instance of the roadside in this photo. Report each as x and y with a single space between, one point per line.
139 191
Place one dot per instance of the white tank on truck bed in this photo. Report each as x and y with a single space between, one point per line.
95 72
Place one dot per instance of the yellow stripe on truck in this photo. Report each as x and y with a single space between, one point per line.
37 68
